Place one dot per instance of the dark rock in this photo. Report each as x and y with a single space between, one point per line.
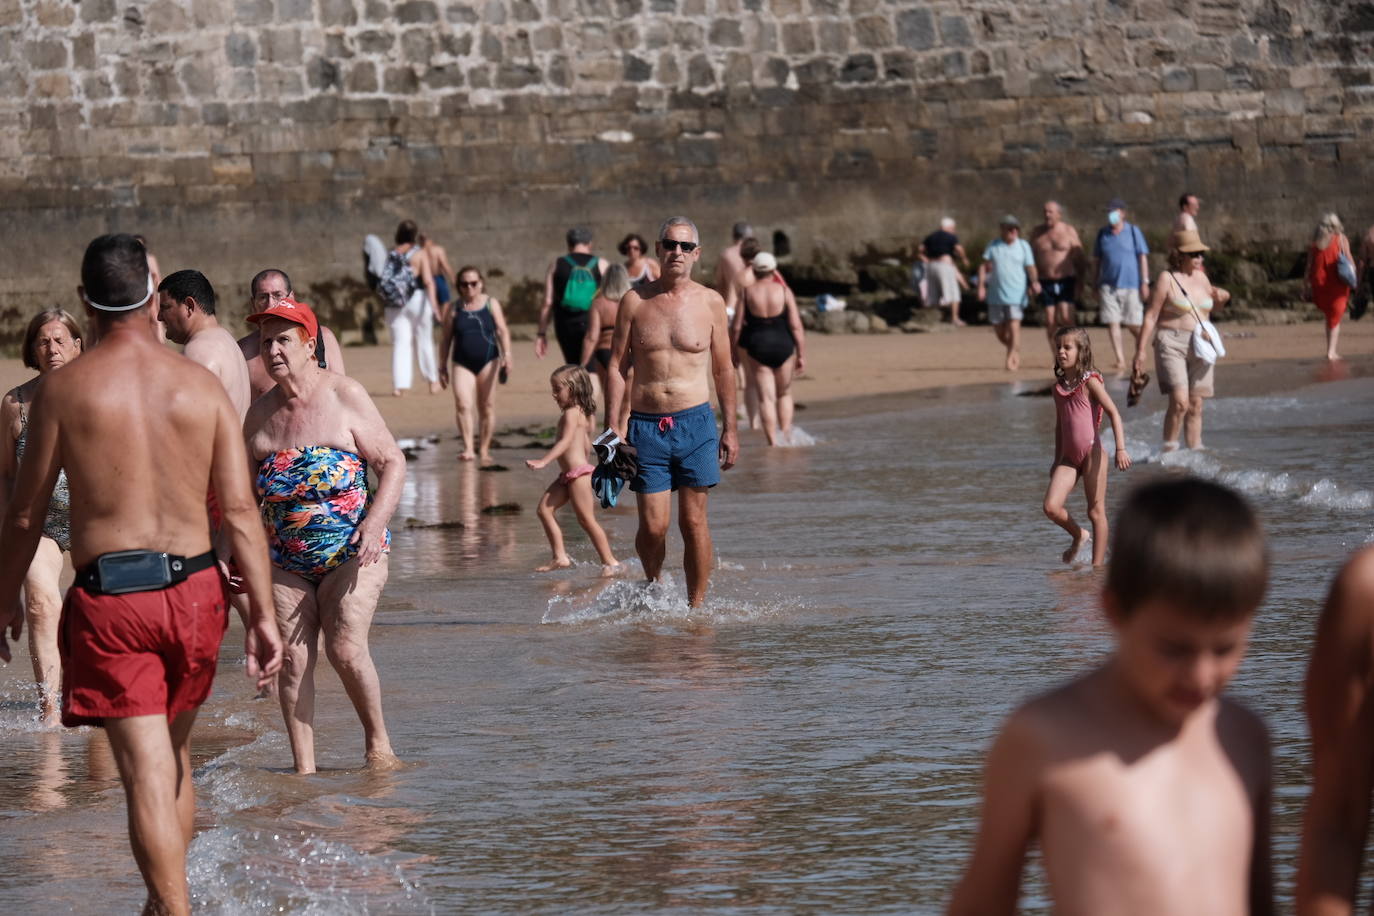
916 29
338 13
240 49
637 70
859 68
416 11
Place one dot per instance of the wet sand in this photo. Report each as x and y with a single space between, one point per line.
839 367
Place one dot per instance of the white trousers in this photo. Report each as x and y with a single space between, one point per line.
412 328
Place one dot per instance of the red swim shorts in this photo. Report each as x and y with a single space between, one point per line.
142 653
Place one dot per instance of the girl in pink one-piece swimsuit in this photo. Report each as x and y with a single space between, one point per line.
1080 400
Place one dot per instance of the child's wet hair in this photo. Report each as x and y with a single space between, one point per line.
1193 543
579 383
1085 351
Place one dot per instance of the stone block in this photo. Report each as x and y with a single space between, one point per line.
700 73
490 46
54 14
295 10
400 81
375 42
83 52
899 66
690 36
517 76
833 36
1285 102
637 70
916 28
525 11
859 68
827 7
412 12
547 38
96 10
52 86
240 49
323 74
198 78
726 33
1178 79
955 31
873 32
280 46
798 38
417 46
667 72
626 36
338 13
253 13
45 54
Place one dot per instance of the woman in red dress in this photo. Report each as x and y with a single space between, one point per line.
1324 284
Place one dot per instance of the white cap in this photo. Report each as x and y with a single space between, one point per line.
764 263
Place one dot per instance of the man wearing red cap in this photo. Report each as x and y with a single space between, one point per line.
142 434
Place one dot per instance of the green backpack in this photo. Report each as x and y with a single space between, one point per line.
581 287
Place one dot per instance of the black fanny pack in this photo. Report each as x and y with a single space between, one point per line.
125 571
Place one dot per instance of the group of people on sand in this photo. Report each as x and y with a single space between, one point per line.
1052 268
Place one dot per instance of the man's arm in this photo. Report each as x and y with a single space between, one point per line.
992 882
426 278
1144 264
333 353
620 358
25 514
242 529
723 372
378 448
541 343
593 334
1340 718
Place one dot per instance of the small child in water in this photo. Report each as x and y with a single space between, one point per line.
1145 788
1080 398
572 391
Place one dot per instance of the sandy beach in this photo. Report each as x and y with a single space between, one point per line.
839 367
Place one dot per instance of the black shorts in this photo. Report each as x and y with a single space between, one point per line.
1053 292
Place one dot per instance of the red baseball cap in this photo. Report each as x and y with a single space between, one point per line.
290 310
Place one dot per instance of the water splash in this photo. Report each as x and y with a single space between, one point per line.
236 872
1327 494
797 438
625 602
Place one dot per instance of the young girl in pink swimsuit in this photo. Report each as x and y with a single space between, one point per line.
1080 399
572 391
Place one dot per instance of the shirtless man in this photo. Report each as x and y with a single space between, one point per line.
445 282
186 306
1060 262
269 286
142 434
1340 718
1189 205
730 262
674 333
1147 790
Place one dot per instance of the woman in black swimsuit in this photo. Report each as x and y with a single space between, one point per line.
478 342
768 328
596 346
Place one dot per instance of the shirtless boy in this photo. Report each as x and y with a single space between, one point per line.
139 645
1060 262
674 332
270 286
1340 718
1147 790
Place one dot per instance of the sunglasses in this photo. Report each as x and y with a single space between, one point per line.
469 282
674 244
1195 254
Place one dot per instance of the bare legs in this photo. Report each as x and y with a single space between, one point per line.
1184 412
43 610
584 505
474 406
774 388
1009 334
341 605
1059 315
1114 332
1062 479
1332 336
655 511
154 760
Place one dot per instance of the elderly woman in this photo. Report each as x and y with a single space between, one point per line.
639 266
1183 299
475 354
312 439
52 340
768 328
1322 283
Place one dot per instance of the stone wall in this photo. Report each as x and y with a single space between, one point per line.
241 133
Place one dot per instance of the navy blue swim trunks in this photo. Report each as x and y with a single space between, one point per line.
1053 292
675 450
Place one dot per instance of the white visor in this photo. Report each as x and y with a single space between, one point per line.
122 308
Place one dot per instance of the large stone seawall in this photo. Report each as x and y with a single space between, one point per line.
241 133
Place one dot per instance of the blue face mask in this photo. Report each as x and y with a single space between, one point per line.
1114 217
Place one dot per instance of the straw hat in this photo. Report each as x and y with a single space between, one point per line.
1188 241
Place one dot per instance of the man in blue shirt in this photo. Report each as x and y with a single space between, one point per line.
1007 272
1123 276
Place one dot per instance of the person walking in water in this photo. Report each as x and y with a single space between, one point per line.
570 285
142 434
571 387
1323 283
1007 272
1080 399
478 341
675 333
53 340
768 328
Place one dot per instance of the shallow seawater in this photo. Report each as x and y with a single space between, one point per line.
811 740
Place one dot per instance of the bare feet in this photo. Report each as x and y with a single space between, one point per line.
610 569
1013 361
434 387
397 392
381 761
466 456
1084 537
558 563
484 458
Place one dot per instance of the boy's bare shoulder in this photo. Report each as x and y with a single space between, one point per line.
1055 718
